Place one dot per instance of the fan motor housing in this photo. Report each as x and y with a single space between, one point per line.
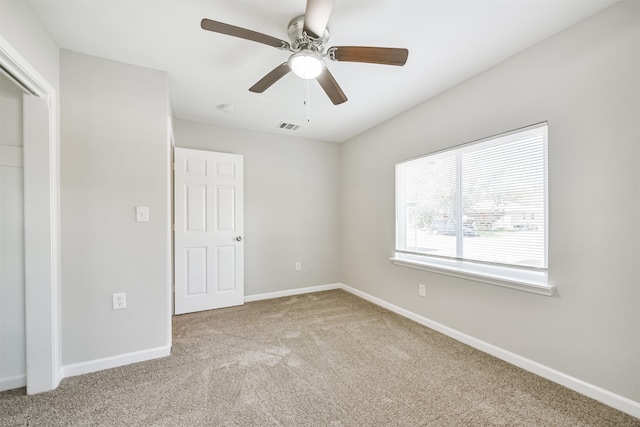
301 40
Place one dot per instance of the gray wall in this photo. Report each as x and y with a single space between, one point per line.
114 156
291 204
585 82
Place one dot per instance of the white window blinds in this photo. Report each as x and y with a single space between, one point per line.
483 202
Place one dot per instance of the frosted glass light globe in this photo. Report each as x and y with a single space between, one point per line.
306 64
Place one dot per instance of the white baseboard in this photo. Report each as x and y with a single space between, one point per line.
616 401
141 356
291 292
114 361
13 381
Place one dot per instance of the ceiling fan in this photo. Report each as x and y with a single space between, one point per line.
309 34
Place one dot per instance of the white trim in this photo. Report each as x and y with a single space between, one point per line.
513 278
144 355
115 361
13 381
616 401
18 70
41 231
170 263
291 292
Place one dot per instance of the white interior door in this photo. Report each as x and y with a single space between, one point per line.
209 227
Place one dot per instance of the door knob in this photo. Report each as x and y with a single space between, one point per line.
239 238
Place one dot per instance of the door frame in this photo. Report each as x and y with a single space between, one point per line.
42 261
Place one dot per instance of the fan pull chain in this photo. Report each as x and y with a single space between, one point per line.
306 99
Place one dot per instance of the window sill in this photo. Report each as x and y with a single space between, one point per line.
514 278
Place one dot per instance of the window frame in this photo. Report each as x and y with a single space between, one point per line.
527 279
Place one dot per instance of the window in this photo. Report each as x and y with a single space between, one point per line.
479 210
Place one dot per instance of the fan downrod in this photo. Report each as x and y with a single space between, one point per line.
301 40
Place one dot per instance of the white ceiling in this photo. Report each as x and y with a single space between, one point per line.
448 41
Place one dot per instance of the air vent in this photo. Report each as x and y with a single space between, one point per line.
288 126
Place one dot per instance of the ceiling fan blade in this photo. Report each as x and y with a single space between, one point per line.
243 33
372 55
316 16
331 87
271 77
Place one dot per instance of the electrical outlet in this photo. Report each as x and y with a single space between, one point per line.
119 301
422 291
298 266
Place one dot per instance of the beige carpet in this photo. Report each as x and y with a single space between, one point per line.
322 359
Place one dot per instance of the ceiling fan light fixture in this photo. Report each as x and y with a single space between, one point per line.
306 64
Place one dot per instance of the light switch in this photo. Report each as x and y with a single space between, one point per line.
142 213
